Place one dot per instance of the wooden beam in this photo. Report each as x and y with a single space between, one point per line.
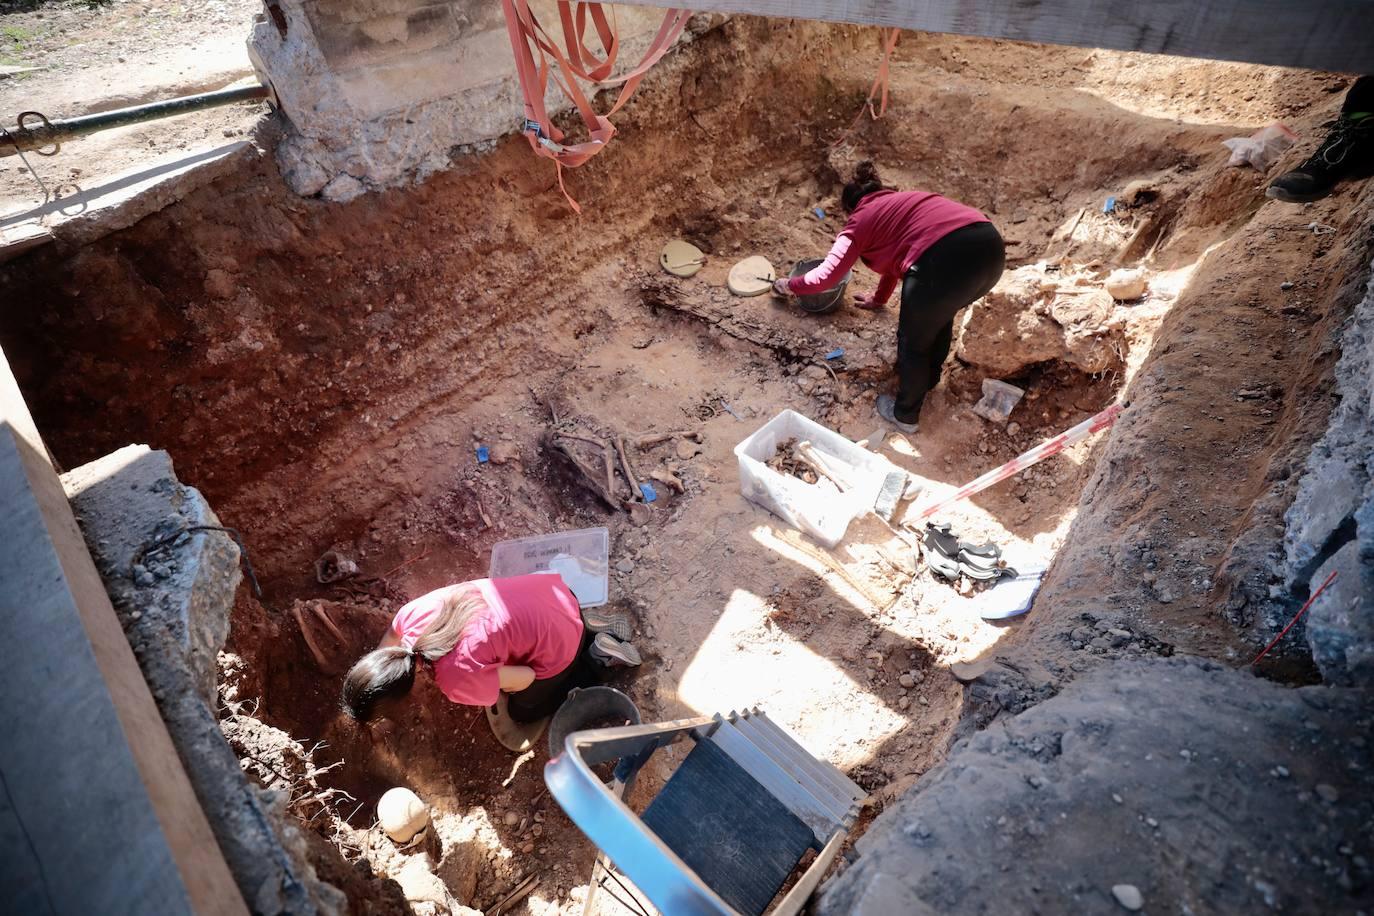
1316 34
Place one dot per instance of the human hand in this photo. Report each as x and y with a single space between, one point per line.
780 288
866 302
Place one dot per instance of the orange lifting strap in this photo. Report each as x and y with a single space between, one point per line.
528 37
879 88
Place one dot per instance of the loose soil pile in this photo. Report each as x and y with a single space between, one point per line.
325 374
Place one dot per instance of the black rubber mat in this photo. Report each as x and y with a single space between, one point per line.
739 840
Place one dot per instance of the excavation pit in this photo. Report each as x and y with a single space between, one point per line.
325 374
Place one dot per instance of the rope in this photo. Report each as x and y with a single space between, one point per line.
881 84
5 134
166 539
529 38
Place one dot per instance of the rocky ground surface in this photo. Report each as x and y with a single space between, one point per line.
1161 786
324 374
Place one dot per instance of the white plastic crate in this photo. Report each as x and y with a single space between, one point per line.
815 509
581 557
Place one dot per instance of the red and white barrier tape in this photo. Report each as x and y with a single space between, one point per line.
1045 449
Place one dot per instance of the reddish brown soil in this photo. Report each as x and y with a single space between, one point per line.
322 373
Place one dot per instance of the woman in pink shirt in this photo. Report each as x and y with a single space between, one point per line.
944 254
523 635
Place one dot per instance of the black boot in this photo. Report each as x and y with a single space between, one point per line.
1347 152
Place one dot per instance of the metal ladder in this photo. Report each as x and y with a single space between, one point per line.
728 828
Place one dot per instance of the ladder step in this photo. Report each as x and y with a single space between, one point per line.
822 815
792 758
824 770
737 837
820 770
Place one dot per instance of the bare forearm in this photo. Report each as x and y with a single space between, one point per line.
515 678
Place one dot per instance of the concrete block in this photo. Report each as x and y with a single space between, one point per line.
135 515
122 200
383 92
174 590
78 830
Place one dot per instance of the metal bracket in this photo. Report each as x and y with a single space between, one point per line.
531 126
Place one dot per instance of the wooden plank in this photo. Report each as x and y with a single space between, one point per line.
49 555
1316 34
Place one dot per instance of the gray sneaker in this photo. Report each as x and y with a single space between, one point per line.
604 620
612 652
887 409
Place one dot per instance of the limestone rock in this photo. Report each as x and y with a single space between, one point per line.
420 885
504 452
1128 895
402 814
342 188
1029 319
1038 787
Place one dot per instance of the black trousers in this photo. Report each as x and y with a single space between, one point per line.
545 695
957 270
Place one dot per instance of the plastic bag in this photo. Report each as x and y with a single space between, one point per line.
1262 148
998 401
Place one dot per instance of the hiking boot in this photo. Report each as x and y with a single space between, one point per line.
603 620
887 409
613 652
1347 151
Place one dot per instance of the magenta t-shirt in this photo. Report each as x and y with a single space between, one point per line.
528 620
889 231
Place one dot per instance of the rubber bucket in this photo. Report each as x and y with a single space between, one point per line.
589 707
820 303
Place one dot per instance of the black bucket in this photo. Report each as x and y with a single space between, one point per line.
590 707
820 303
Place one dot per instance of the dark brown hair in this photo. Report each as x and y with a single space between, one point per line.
865 182
391 670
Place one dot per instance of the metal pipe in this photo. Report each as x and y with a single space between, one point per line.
34 131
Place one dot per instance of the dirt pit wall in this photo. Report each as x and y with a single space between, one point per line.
324 373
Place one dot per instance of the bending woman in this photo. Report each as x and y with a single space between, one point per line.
523 636
944 254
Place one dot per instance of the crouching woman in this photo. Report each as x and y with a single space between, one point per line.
522 637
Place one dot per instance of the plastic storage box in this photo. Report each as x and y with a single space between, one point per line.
815 509
581 557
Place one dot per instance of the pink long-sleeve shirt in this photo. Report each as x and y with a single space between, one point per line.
888 231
